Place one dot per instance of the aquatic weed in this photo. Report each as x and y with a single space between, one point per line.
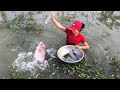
25 21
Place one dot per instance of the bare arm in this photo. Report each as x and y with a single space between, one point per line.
57 24
85 47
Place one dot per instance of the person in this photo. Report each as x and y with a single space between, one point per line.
74 37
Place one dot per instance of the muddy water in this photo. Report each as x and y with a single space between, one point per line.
15 41
101 31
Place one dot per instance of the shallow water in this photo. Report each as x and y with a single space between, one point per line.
101 31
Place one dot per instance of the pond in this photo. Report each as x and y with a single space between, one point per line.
101 31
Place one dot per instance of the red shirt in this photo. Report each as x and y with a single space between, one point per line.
74 40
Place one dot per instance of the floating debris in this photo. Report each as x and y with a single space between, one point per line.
13 50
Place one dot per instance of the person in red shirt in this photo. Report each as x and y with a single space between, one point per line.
74 37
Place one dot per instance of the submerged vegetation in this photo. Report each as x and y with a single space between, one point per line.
115 63
110 19
90 69
3 16
82 70
22 21
20 74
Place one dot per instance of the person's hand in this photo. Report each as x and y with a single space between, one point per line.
52 14
77 46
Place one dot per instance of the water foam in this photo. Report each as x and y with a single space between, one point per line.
25 62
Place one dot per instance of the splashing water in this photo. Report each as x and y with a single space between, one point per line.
25 62
51 52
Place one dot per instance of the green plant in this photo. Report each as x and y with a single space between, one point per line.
26 21
19 74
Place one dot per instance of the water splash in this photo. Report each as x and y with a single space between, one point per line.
51 52
24 63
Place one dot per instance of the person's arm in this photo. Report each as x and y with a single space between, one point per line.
85 47
57 24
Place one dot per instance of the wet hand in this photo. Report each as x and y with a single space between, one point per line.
52 14
77 46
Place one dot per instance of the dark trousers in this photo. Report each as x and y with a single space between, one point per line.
69 44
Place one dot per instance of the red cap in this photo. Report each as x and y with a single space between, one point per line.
76 25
